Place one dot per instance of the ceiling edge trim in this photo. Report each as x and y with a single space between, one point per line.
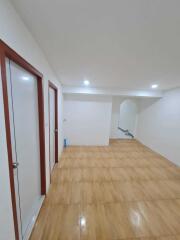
112 92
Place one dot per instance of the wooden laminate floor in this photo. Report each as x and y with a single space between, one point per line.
123 191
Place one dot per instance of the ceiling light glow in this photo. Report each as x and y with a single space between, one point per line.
25 78
86 82
154 86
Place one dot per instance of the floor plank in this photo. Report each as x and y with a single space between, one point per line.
122 191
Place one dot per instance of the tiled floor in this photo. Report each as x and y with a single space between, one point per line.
123 191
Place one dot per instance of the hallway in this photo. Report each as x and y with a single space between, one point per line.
122 191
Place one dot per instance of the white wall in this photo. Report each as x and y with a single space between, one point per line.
128 115
16 35
116 101
121 118
88 119
159 125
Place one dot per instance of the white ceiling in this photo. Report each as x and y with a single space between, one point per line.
124 44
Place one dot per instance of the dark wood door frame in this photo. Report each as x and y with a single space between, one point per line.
7 52
52 86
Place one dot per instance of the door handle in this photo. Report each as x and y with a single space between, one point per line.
15 165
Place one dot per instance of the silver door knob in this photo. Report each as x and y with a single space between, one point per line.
15 165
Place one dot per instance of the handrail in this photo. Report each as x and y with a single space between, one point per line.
123 130
126 131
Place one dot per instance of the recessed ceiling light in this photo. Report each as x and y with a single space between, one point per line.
154 86
86 82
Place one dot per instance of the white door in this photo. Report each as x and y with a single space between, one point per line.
52 127
23 107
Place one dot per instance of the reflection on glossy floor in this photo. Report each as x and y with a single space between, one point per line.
124 191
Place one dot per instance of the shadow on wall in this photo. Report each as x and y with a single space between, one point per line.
146 103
